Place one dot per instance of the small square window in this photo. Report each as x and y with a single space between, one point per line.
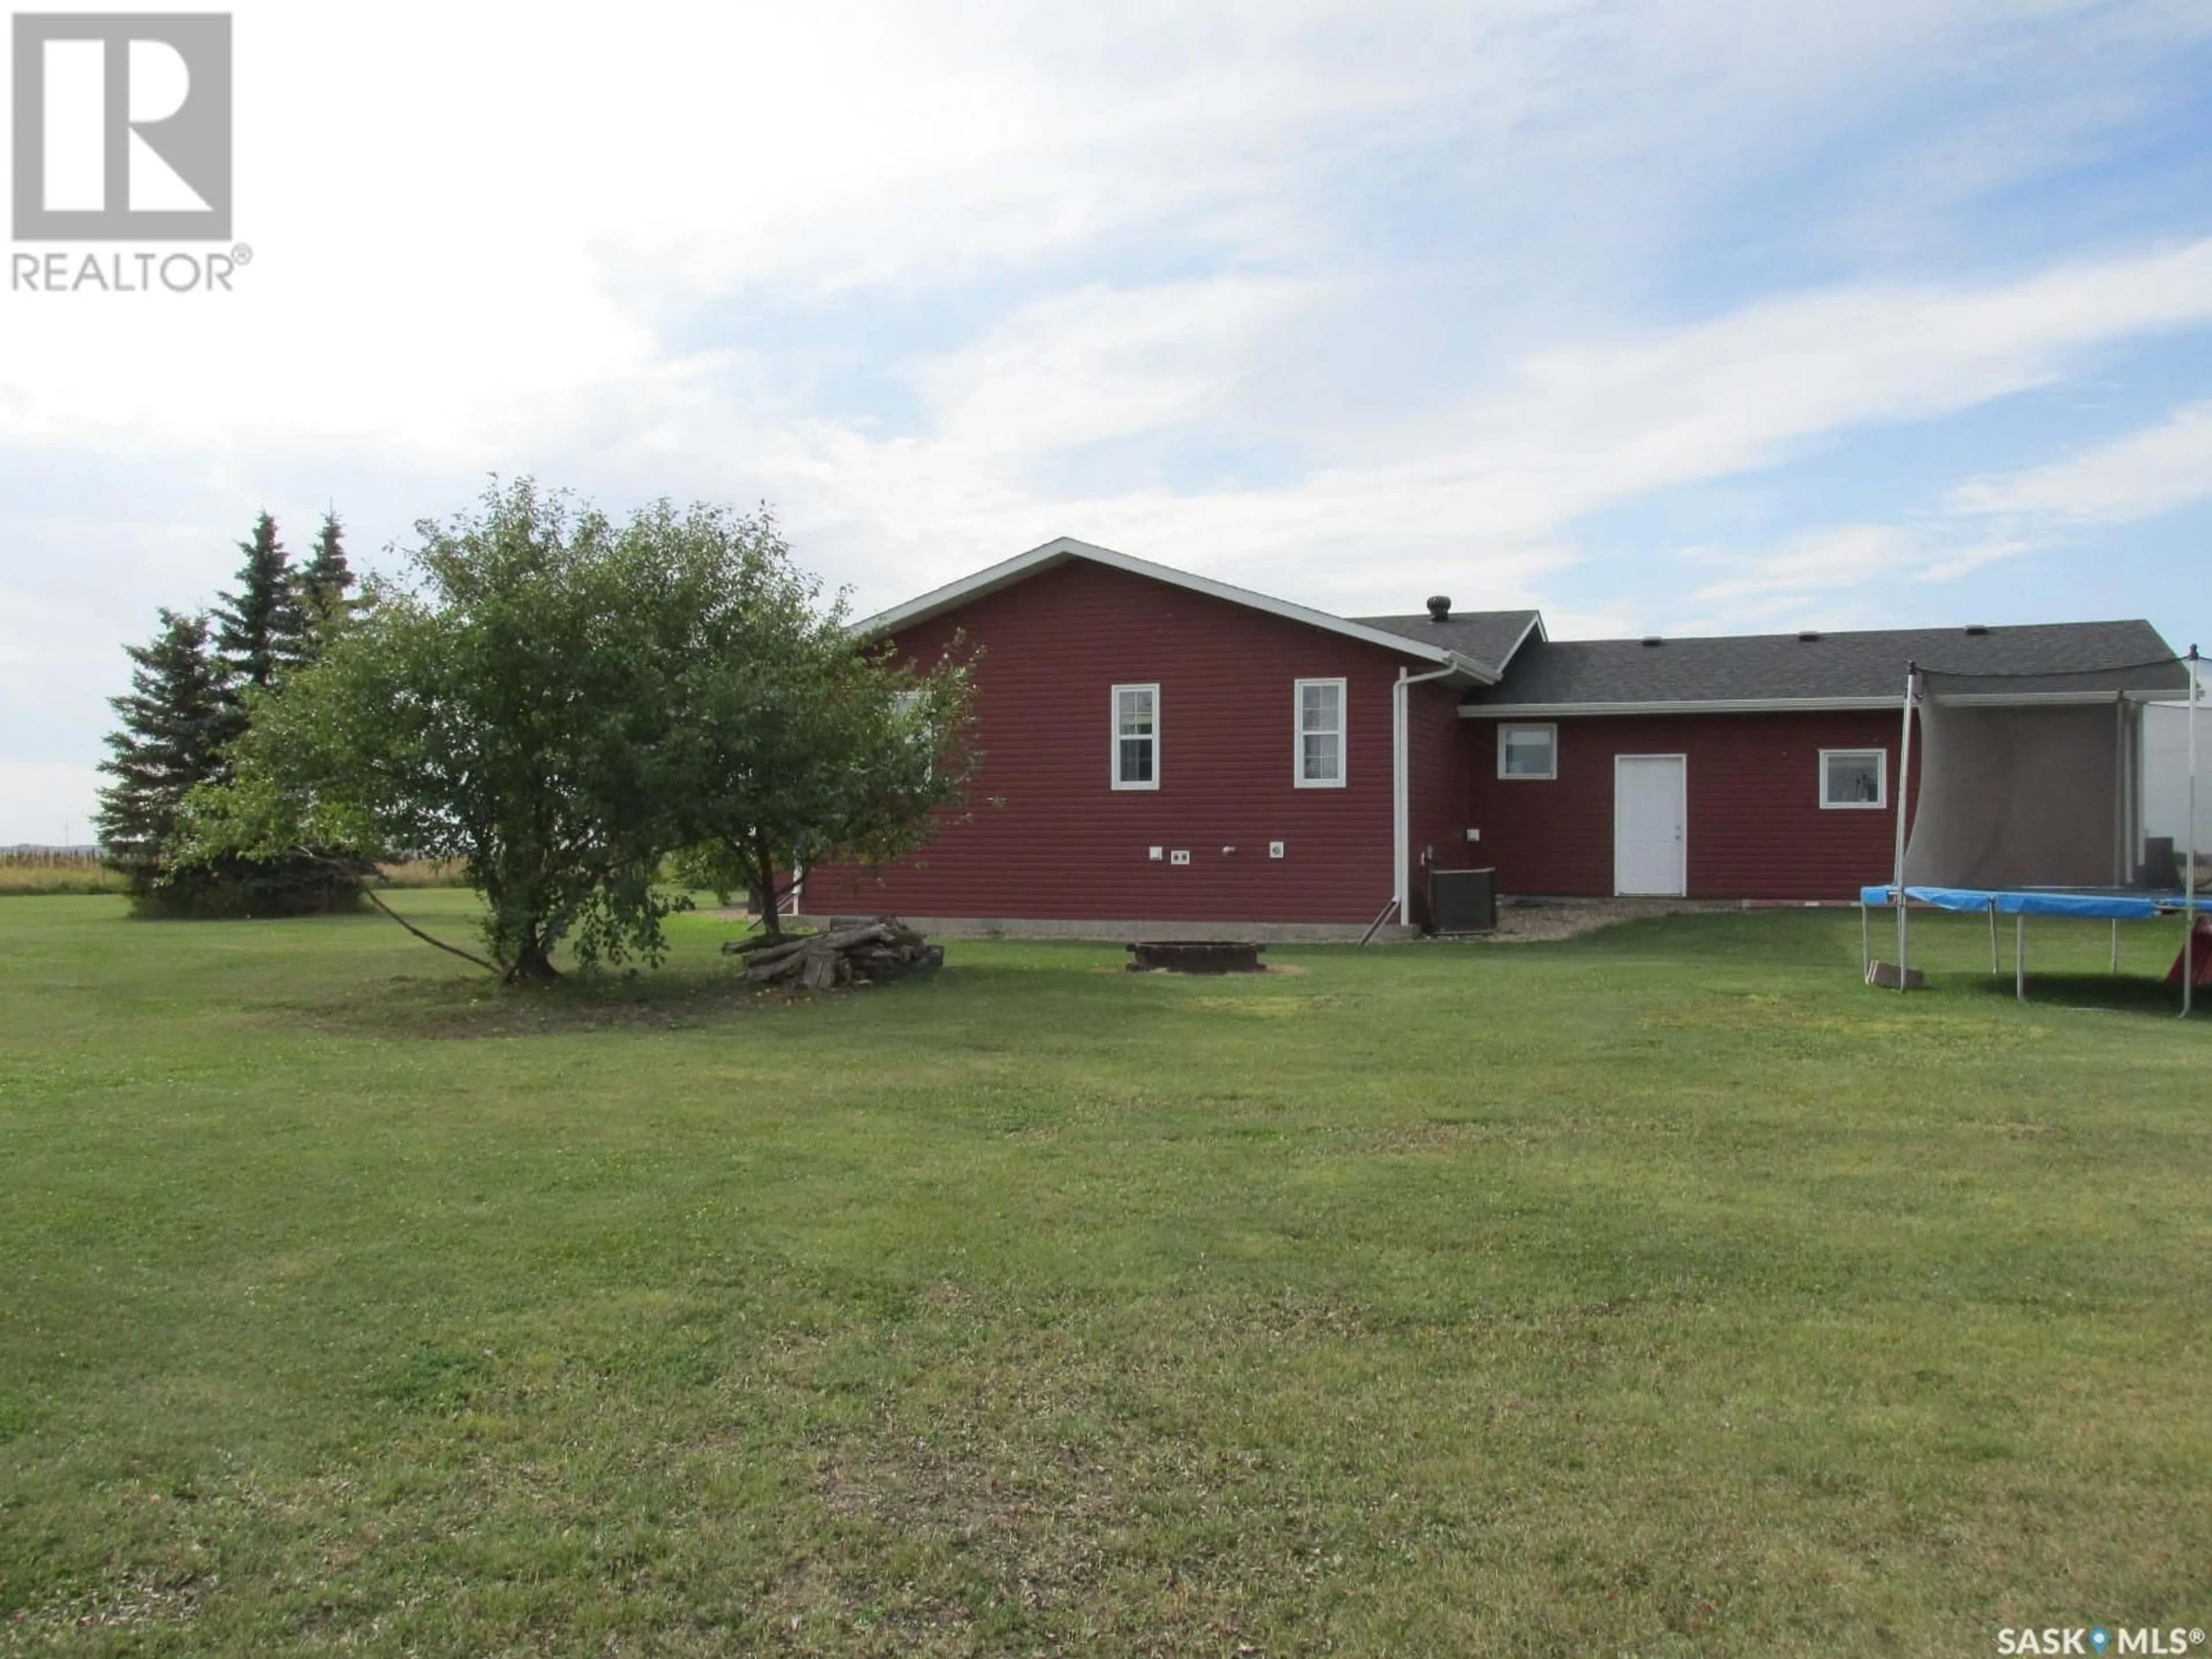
1855 778
1528 752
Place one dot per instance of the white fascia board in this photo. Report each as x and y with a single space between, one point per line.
2036 699
1536 629
1554 711
1007 572
988 580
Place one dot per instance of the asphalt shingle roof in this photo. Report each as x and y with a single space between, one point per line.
2099 656
1486 636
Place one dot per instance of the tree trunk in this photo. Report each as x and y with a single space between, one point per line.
769 896
762 901
533 965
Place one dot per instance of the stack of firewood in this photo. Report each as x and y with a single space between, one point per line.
850 950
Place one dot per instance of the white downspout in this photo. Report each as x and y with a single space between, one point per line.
1903 796
2189 876
1401 791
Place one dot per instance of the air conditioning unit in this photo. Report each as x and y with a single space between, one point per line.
1463 900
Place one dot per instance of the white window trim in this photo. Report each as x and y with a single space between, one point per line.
1113 734
1298 735
1881 801
905 702
1550 776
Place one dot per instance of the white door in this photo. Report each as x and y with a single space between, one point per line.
1649 822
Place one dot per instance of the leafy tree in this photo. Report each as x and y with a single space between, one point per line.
548 703
501 712
795 745
325 584
174 719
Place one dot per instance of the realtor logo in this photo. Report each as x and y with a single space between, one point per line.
122 126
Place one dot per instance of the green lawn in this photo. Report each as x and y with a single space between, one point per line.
1665 1291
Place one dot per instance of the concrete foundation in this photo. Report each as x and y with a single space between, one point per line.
1122 933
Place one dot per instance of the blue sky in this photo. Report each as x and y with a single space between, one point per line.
1676 317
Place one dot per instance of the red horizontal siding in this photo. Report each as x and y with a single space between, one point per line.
1436 790
1048 837
1756 828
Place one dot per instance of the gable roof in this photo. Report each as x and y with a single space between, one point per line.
1062 550
1861 670
1487 636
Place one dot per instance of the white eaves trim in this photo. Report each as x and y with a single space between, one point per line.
1535 627
1062 549
2041 699
1554 711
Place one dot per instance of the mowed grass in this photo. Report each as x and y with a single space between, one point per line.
1662 1292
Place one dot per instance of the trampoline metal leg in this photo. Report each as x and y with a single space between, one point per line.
2115 945
2019 956
1866 943
1995 964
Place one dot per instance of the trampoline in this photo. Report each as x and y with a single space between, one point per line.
2028 802
2115 905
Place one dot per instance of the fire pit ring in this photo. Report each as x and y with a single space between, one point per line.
1196 955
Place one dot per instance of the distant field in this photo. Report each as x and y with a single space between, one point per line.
1661 1292
47 874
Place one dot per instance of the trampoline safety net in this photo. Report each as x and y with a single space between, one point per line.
2032 780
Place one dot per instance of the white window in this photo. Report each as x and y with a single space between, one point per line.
1321 734
1855 778
907 705
1136 737
1528 752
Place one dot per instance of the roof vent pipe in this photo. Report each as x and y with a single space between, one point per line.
1977 628
1808 636
1651 639
1439 608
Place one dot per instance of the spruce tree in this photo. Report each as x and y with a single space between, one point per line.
260 631
175 717
260 635
325 581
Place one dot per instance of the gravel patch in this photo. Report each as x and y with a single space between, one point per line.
1529 921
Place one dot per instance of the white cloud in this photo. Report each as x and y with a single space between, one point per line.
1485 496
1417 275
1949 564
2141 475
1101 363
1826 576
1840 557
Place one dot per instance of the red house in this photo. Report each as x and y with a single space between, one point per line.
1168 754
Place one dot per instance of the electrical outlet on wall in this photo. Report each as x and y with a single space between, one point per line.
1159 852
1474 835
1274 849
1181 855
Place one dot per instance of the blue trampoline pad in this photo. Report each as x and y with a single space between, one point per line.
2109 906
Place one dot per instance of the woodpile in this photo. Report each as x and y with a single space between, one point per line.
850 950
